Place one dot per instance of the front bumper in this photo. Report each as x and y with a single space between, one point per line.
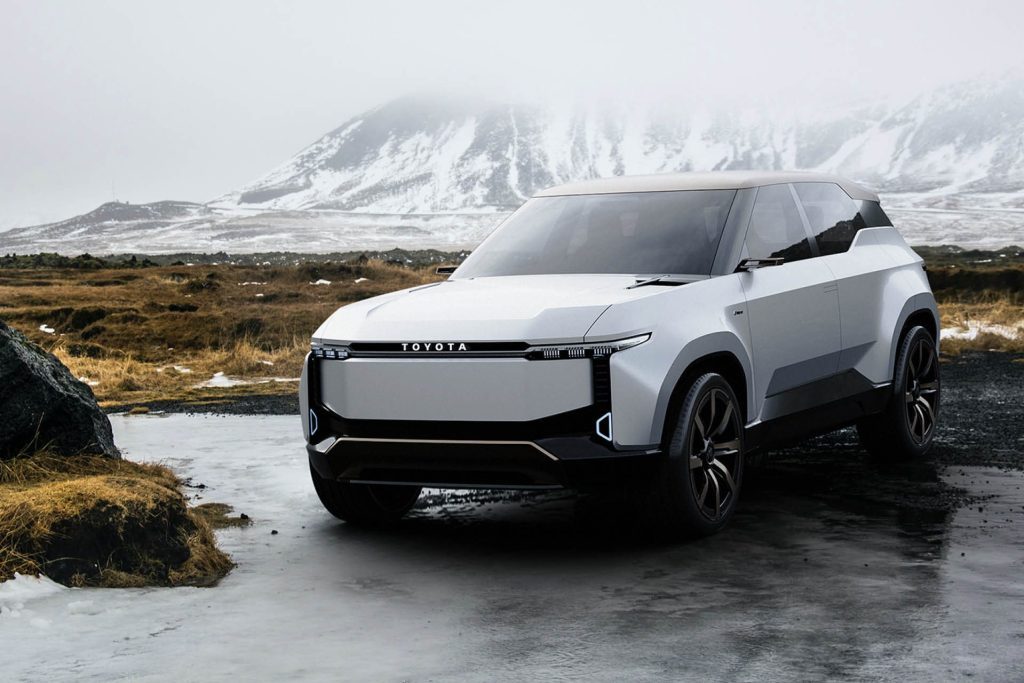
565 449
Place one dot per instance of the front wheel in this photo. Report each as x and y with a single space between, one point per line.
699 485
906 428
364 504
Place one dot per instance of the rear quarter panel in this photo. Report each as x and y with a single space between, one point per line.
881 283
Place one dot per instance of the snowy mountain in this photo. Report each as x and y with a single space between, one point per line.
424 155
441 172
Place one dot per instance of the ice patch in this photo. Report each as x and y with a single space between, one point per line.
47 329
321 282
361 279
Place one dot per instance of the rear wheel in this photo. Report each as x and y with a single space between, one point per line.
699 485
906 428
366 504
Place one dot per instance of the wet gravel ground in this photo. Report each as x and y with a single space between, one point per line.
833 569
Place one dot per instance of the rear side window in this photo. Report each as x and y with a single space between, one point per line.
775 229
834 218
873 215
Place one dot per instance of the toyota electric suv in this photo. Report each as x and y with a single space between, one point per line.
654 329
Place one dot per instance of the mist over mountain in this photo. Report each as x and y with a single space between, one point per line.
426 155
440 172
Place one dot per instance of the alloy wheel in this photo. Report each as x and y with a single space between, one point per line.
921 391
714 454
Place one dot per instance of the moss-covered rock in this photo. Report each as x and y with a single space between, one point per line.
92 521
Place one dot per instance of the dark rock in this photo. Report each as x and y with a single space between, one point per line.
42 405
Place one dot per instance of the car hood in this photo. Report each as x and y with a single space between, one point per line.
530 308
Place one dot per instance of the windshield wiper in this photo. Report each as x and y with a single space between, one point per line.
667 280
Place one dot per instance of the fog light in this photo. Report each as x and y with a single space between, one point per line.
604 427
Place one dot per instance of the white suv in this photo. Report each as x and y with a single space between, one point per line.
652 328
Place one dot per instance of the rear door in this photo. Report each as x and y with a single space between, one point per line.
862 274
792 309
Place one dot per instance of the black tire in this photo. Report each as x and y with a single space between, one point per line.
905 430
705 457
365 504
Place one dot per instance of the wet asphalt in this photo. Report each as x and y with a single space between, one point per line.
835 567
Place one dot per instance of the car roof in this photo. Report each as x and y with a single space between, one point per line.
714 180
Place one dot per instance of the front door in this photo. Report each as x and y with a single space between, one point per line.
792 309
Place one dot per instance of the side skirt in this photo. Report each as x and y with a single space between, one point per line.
816 408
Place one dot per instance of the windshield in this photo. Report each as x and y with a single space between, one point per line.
636 233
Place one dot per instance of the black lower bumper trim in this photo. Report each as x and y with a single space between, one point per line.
469 464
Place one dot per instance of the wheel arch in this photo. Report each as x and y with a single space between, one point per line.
922 318
919 309
725 363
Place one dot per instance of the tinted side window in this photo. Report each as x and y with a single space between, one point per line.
775 228
834 217
873 215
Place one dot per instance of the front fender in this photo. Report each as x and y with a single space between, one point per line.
686 324
643 384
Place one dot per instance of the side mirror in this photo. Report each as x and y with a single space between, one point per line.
749 264
446 270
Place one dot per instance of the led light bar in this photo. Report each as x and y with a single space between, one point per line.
595 350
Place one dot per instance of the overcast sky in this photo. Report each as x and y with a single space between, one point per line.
186 100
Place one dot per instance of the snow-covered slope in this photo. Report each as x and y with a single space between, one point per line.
441 172
960 143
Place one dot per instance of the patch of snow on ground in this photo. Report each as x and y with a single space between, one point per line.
247 284
974 328
20 590
47 329
182 369
321 282
92 382
360 279
221 380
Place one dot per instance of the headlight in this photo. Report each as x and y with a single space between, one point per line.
328 351
590 350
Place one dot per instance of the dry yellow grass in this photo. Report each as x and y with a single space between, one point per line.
1003 319
131 333
95 521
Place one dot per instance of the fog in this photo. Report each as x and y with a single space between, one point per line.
185 100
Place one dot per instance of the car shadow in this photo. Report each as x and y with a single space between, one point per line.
824 487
